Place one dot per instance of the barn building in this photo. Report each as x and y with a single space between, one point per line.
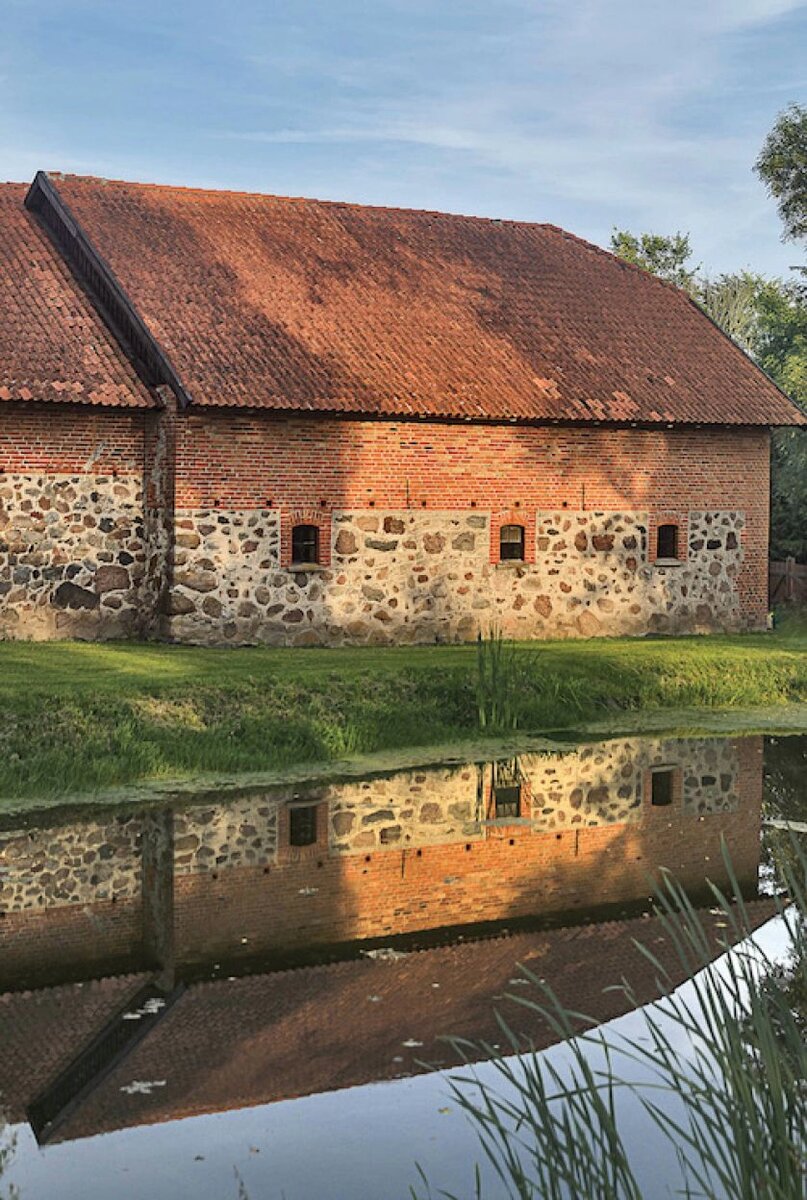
232 419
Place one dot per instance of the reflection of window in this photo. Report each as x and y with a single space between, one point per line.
667 541
661 788
506 789
303 825
511 543
305 544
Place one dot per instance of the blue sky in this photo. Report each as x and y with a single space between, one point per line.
646 114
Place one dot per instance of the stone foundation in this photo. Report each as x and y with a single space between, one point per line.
72 555
405 576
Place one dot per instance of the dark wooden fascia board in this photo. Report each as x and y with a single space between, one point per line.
110 298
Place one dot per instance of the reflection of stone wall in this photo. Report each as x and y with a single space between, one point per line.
236 834
413 576
591 786
594 785
412 808
70 864
72 554
603 784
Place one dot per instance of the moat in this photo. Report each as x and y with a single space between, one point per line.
262 985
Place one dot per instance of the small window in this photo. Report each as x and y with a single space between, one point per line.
507 800
661 788
305 544
667 541
511 543
507 782
303 826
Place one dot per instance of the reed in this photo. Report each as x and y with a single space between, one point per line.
734 1108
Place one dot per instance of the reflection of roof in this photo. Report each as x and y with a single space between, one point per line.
231 1044
53 345
264 301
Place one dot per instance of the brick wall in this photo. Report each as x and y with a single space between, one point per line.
446 490
408 513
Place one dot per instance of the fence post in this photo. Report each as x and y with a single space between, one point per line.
790 579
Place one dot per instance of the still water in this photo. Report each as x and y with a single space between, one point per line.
260 988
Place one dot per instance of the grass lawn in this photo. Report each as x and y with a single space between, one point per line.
80 716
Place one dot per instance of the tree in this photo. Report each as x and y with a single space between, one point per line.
768 319
782 166
781 350
732 301
665 256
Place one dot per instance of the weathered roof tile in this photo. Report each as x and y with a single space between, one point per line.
53 344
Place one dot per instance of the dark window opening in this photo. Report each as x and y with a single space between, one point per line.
305 544
661 788
507 800
507 781
303 826
511 543
667 541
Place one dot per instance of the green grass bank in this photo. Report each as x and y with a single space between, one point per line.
81 717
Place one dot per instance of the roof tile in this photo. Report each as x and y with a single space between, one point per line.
267 302
53 344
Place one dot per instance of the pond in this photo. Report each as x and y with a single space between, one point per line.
203 990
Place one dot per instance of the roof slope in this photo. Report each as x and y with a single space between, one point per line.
261 301
53 344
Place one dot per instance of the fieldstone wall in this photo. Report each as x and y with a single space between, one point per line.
71 864
226 585
409 576
411 808
72 555
240 833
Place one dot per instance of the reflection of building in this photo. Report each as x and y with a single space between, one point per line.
536 836
141 906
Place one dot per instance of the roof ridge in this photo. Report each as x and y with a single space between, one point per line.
213 192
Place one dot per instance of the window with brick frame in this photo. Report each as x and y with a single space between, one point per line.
667 541
303 825
305 544
511 543
661 787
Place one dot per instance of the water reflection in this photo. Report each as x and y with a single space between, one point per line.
158 942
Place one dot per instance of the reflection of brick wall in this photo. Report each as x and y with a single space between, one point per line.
512 872
71 941
251 892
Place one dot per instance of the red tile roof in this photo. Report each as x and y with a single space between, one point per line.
262 301
53 344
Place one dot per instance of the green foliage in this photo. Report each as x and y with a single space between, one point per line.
782 166
781 350
739 1121
497 679
82 717
663 255
732 301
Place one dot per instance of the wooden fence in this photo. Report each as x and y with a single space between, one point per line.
787 582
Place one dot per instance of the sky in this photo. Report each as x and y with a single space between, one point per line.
590 114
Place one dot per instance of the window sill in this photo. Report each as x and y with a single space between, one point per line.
669 562
510 563
297 568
